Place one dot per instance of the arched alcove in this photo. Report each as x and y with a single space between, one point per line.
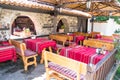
23 22
62 24
59 25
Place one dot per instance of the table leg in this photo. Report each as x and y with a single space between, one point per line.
42 56
50 49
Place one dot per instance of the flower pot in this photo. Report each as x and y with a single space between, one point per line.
61 30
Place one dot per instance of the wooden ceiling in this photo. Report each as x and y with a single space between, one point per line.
97 7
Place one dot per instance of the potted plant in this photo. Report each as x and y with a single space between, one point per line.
61 30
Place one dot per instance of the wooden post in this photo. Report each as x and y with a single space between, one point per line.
92 23
92 26
54 24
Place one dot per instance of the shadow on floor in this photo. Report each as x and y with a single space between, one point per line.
11 67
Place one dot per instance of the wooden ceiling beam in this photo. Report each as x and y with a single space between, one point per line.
43 2
80 6
64 2
111 4
106 11
97 7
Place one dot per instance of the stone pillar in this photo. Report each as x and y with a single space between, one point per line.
54 25
82 24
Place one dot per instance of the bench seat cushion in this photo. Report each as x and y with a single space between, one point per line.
64 71
27 52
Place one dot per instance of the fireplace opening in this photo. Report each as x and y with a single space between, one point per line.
23 24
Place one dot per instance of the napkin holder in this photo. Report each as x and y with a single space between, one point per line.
33 37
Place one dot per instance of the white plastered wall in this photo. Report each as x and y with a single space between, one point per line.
106 28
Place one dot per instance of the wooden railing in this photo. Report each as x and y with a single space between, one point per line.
102 68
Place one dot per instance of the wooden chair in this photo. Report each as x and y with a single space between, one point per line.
24 53
63 67
62 39
58 38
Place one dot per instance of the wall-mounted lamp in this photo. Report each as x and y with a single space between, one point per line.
110 13
88 4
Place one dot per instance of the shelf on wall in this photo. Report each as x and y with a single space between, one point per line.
47 26
4 28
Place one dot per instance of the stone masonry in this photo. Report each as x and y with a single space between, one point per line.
7 16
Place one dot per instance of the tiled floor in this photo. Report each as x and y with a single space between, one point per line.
14 71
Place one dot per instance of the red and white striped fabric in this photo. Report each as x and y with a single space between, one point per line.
82 54
39 44
7 53
64 71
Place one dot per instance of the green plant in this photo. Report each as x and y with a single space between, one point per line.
62 27
117 31
101 18
117 74
105 18
119 1
116 19
117 47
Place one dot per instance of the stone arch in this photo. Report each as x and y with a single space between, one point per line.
29 25
65 23
22 14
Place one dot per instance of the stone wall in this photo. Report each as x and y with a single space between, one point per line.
7 16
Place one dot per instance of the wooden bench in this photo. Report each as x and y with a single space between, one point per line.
100 40
24 53
63 67
98 44
86 35
58 38
93 34
107 37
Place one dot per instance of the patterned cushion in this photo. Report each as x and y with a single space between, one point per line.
29 52
18 51
59 46
26 52
64 71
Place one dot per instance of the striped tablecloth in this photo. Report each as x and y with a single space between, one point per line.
39 44
84 54
7 53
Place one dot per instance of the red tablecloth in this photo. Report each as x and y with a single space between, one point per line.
39 44
98 36
7 53
83 54
77 38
